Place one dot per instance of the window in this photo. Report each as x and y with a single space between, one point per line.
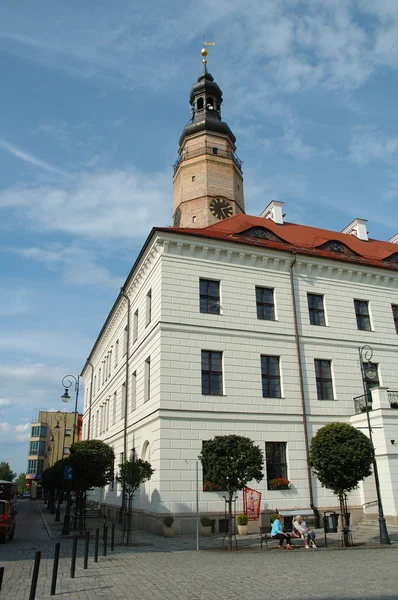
97 424
362 314
133 391
103 371
66 450
323 375
116 352
199 104
135 326
95 384
147 389
212 373
39 431
114 408
110 363
68 432
395 315
37 448
35 467
123 406
265 303
316 310
125 341
99 378
275 457
209 296
215 150
270 376
148 307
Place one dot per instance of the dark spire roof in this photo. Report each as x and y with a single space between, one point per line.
205 100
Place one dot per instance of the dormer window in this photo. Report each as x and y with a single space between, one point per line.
337 247
200 104
260 233
393 258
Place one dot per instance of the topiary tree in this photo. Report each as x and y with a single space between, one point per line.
92 464
131 474
341 456
21 483
229 463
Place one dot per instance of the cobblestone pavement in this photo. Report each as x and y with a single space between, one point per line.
164 569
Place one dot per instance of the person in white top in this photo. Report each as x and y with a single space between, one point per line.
300 529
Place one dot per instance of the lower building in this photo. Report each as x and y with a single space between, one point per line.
50 441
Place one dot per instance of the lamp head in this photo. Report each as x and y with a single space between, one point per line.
65 397
371 373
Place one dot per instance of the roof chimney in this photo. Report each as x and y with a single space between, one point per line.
394 239
273 211
358 228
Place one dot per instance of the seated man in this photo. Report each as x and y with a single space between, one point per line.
278 534
300 529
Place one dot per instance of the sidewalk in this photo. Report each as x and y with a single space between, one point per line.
143 541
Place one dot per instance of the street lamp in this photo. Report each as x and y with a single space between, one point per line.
68 382
369 375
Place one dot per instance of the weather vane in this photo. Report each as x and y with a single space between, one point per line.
204 51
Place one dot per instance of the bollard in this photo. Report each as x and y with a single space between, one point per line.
55 569
58 514
103 531
86 548
35 576
105 540
1 576
113 537
74 552
96 545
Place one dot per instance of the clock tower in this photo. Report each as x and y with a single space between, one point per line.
208 180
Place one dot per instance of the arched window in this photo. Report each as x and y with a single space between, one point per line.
199 104
210 102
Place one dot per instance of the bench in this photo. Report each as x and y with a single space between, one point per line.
265 535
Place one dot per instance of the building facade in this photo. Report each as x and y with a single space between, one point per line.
230 323
50 441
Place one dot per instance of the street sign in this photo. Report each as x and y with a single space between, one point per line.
67 473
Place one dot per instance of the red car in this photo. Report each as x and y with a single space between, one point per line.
7 520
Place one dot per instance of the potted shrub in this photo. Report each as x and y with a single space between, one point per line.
205 523
168 530
242 521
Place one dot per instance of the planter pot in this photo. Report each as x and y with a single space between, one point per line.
205 530
168 531
243 529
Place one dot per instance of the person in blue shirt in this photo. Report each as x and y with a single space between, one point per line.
278 534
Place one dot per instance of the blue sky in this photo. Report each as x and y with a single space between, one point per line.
93 99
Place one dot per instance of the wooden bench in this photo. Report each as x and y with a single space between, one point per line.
265 536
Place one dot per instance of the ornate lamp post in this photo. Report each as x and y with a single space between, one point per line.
369 375
68 382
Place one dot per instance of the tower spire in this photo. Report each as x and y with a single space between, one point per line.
204 52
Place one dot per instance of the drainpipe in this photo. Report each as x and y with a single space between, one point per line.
91 397
123 293
300 363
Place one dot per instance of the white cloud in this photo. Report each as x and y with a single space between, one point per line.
14 301
29 158
77 264
4 426
5 402
369 144
114 204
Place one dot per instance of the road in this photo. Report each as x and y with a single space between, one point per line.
155 574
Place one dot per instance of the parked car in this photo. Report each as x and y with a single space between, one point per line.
26 494
7 520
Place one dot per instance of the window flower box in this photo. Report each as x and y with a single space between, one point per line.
279 484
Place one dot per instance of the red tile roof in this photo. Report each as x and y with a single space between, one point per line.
300 238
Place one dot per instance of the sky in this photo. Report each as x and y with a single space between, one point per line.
93 99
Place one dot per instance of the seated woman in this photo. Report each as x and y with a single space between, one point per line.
278 534
300 529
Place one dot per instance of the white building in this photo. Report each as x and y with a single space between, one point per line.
241 324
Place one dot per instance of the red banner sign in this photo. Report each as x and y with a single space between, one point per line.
251 503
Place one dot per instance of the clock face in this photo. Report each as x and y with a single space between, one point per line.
221 208
177 218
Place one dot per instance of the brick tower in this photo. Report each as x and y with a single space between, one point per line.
208 181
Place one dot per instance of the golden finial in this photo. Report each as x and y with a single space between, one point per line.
205 52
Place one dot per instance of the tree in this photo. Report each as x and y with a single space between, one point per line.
229 463
21 481
132 473
92 463
6 473
341 456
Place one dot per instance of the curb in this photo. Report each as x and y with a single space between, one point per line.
48 529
